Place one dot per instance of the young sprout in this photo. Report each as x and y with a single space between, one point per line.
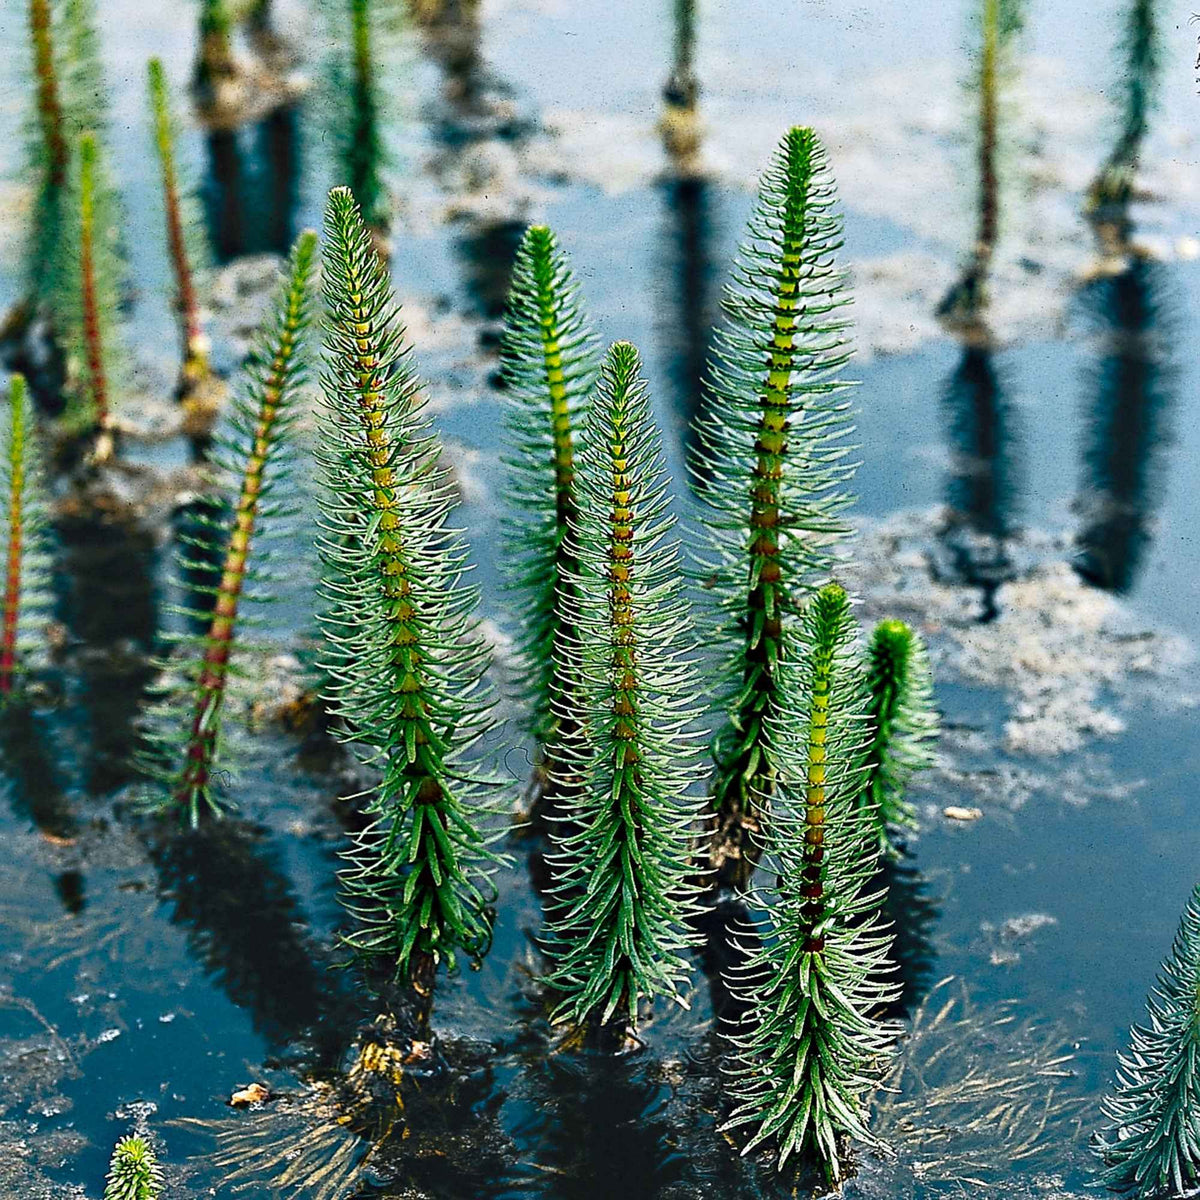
256 456
405 664
900 706
548 362
617 926
770 471
811 1049
133 1173
1152 1147
182 235
26 560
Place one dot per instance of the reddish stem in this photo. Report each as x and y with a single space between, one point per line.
214 671
12 574
49 108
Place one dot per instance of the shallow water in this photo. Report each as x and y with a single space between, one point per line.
1029 504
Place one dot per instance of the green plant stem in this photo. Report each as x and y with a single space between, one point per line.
16 525
211 685
195 344
92 335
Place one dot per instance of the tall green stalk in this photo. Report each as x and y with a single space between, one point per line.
811 1049
185 731
771 471
405 665
548 359
617 932
182 230
26 598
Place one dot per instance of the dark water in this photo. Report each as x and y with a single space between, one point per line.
173 972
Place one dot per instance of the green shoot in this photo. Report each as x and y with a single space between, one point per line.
1153 1145
900 705
405 666
548 360
811 1050
617 926
771 471
182 229
133 1173
257 455
26 561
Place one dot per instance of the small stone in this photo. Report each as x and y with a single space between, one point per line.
252 1093
962 814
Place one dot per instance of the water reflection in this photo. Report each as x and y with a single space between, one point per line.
687 284
596 1125
486 254
37 794
111 611
226 887
1112 189
451 37
1130 398
251 188
913 915
981 490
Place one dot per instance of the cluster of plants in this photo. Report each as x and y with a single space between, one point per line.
635 638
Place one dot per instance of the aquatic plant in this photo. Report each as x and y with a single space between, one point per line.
48 154
900 707
810 1050
548 361
999 21
93 270
362 152
26 561
133 1173
1152 1147
1113 185
978 1092
256 454
183 235
53 140
770 469
405 664
617 932
214 57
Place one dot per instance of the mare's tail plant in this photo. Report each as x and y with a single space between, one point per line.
93 272
133 1173
215 63
49 154
1000 21
548 360
811 1049
405 664
1113 186
771 469
183 237
1152 1147
185 729
900 706
362 152
617 932
26 559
